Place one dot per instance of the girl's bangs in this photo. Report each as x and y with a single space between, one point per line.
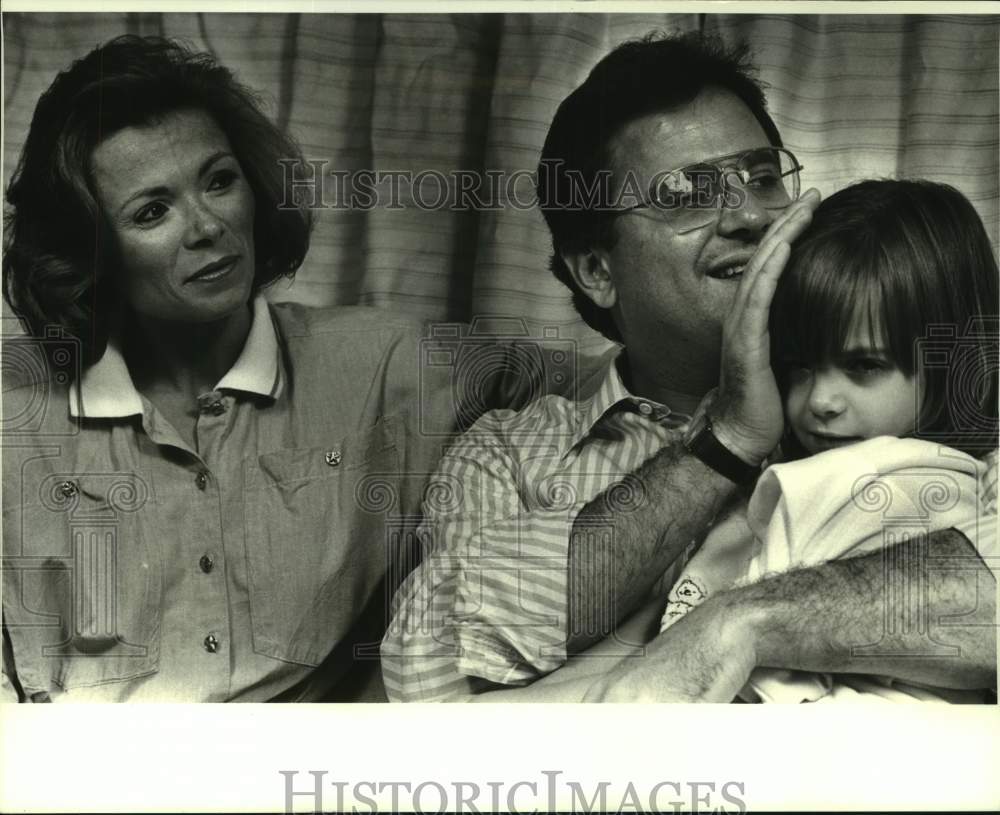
826 297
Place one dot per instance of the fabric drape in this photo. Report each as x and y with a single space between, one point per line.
434 94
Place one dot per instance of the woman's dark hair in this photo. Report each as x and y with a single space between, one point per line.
654 74
914 258
59 263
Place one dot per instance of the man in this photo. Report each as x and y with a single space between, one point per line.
566 517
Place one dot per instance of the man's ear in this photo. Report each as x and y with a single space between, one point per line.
591 272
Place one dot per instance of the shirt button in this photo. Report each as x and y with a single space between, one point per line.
645 408
201 480
211 643
206 563
212 403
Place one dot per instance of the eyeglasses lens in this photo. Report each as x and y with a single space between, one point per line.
690 198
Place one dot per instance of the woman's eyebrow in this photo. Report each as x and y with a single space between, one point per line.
153 192
207 163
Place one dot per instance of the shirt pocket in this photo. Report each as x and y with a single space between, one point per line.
82 585
316 549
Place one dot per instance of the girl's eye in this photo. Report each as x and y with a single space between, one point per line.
223 180
866 366
795 366
150 213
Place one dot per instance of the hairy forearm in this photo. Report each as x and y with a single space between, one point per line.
923 611
624 539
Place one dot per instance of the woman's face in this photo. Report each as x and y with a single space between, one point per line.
182 213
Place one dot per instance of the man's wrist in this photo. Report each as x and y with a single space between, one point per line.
714 409
742 622
703 443
729 439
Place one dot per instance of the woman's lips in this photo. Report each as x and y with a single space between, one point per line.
216 270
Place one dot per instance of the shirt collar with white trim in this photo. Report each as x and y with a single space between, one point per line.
106 389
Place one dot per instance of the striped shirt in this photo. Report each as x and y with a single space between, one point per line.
489 599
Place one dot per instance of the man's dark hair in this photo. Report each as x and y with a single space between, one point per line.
60 264
639 77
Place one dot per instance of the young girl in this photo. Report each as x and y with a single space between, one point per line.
884 344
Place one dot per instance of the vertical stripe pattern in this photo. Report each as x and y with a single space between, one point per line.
488 601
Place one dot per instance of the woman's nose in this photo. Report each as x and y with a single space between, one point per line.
204 225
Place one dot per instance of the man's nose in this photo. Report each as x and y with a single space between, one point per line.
742 215
826 399
203 226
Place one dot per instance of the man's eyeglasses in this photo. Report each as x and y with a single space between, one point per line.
690 197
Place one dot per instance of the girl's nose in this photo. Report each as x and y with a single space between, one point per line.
826 398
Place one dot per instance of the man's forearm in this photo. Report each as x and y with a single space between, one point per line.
923 611
623 540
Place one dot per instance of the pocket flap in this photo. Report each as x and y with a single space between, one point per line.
348 453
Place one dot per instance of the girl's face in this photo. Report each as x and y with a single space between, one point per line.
182 213
858 395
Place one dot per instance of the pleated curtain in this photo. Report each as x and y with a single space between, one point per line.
431 95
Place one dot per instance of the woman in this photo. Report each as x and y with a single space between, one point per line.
201 508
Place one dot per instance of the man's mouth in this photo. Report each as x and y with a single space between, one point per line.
727 272
214 270
731 267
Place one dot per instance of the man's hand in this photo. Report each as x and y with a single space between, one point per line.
706 656
747 414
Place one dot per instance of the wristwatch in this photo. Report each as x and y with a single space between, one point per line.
701 442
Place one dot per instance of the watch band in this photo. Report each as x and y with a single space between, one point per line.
704 445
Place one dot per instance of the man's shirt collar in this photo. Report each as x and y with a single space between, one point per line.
106 390
605 394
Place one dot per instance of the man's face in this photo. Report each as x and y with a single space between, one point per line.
671 291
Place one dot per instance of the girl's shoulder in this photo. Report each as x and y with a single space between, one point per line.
882 455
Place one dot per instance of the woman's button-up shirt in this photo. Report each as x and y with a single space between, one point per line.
137 568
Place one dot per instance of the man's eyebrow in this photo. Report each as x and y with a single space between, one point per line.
153 192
